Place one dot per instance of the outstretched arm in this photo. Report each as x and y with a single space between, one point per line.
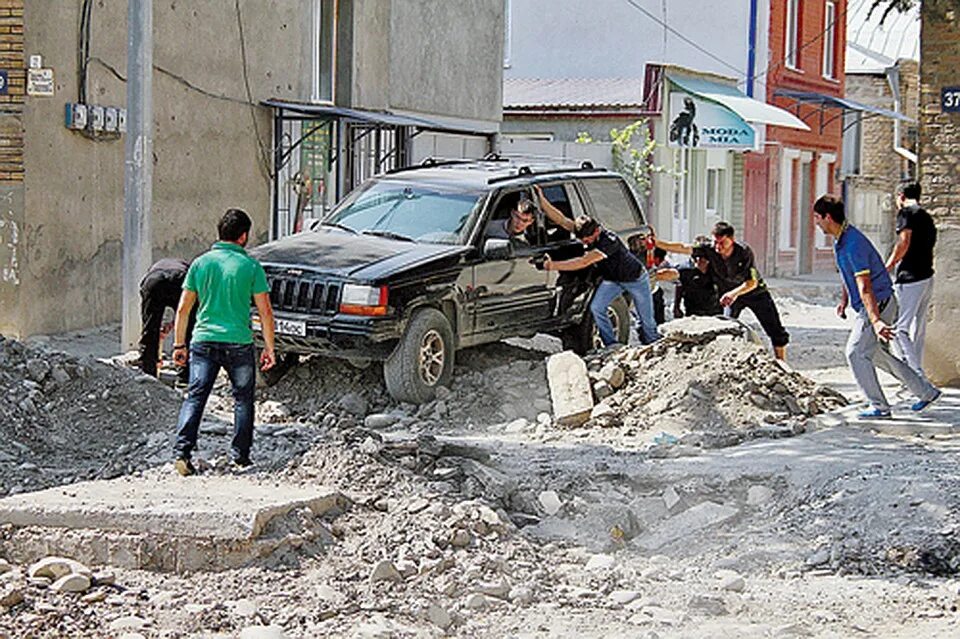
553 213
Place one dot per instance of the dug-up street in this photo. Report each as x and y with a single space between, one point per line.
710 492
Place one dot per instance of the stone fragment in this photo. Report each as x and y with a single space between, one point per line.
128 622
499 590
600 562
521 594
37 369
55 567
104 578
244 608
517 426
758 494
670 497
262 632
602 411
460 538
439 616
623 597
5 566
10 595
94 597
476 601
550 502
818 558
569 388
731 581
612 375
73 582
354 403
385 571
380 420
709 605
602 389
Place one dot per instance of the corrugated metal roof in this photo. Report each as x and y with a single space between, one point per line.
872 47
572 93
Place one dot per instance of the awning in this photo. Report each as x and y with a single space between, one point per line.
830 101
362 115
753 111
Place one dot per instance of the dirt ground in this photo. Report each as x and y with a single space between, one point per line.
720 495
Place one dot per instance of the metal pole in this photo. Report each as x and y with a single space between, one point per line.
138 165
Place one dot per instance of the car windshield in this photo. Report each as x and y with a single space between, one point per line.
402 210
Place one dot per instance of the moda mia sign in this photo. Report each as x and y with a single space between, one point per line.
703 124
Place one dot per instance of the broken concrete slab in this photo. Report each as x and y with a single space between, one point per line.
166 523
570 389
693 519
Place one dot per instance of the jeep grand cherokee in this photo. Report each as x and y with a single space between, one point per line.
400 270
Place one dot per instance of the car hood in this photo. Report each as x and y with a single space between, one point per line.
345 254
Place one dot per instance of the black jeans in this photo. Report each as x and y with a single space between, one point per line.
158 293
206 360
659 307
765 310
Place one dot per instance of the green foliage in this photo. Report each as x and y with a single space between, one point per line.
632 150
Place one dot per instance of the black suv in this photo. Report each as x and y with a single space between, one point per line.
401 271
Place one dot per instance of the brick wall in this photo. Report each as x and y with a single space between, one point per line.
939 160
11 105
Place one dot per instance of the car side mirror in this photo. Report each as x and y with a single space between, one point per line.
498 249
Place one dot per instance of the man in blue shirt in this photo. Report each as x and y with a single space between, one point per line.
868 288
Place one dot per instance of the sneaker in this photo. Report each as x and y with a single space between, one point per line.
242 462
924 403
874 413
185 467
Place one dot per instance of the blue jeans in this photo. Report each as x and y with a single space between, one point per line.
206 360
639 290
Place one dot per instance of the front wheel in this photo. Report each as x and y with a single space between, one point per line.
423 360
585 337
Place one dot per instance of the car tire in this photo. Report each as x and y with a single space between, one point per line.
583 338
423 360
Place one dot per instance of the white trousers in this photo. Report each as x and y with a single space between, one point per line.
913 299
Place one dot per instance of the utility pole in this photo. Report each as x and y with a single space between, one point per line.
138 165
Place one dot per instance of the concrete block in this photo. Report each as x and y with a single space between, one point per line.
570 389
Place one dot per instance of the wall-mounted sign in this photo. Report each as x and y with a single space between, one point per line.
4 82
701 124
40 82
950 99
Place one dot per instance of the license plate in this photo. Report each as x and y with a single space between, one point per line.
291 327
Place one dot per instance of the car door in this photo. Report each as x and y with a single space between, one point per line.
511 293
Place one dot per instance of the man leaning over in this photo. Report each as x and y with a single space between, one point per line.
869 290
222 282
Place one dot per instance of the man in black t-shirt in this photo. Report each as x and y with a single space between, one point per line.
912 257
696 286
160 289
620 272
739 282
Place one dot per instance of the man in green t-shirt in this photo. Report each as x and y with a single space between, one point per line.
221 282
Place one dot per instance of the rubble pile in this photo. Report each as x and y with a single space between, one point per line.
707 383
67 418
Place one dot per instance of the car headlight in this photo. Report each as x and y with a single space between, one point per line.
361 299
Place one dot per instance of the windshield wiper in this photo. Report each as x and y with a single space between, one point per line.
339 226
389 234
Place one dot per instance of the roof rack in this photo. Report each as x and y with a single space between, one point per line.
525 170
429 162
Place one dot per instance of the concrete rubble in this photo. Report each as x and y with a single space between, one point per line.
696 495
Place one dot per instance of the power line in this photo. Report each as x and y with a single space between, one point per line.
693 44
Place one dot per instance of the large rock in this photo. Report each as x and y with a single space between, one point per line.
54 568
569 388
385 571
73 582
10 595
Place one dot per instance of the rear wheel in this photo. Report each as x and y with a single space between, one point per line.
585 337
423 360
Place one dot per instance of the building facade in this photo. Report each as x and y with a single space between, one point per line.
425 73
805 74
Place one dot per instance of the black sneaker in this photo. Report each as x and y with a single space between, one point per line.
185 467
242 462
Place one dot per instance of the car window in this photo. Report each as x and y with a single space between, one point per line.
613 205
498 224
565 198
425 213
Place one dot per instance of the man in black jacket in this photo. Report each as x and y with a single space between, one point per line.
159 290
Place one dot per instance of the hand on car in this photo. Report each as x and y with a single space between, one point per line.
727 299
547 263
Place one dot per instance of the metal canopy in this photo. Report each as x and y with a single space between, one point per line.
316 111
845 105
751 110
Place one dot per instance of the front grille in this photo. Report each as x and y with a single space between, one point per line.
303 296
